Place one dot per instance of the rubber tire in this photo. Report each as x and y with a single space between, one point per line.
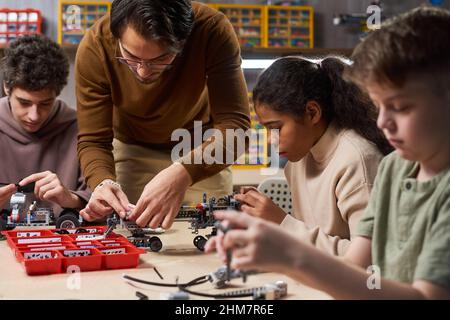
67 216
155 244
199 242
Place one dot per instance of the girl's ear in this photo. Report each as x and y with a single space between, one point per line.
313 112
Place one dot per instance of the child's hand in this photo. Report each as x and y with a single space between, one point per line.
257 244
259 205
5 193
49 188
216 243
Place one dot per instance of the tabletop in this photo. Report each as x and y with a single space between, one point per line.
179 260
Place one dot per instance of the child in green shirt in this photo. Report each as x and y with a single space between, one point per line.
404 236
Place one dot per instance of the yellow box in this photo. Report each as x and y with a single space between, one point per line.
260 143
249 22
279 26
290 27
76 17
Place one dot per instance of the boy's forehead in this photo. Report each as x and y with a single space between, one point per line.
386 91
382 90
35 96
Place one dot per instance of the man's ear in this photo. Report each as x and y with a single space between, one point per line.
313 112
5 89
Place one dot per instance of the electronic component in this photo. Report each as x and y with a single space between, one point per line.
200 216
20 216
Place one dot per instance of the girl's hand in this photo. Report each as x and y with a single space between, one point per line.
259 205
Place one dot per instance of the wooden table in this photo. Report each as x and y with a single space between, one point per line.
178 258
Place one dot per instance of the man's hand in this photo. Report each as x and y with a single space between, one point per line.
259 205
106 198
48 187
5 193
162 196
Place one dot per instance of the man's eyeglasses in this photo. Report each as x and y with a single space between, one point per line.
153 67
148 64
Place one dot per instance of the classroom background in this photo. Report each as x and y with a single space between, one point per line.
266 30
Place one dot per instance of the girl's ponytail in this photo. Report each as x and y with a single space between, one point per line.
290 82
350 107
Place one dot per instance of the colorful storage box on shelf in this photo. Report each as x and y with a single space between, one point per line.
75 17
17 22
249 23
52 251
268 26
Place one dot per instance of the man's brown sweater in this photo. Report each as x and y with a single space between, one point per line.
206 83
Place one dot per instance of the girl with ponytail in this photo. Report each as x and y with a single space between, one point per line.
328 132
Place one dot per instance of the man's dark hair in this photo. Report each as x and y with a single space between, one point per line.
167 21
33 63
414 44
291 82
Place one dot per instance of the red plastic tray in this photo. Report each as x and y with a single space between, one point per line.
42 262
120 257
99 229
13 242
47 252
85 259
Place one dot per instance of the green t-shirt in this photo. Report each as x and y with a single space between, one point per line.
409 223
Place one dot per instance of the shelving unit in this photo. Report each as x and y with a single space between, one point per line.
261 26
75 17
17 22
257 155
290 27
249 22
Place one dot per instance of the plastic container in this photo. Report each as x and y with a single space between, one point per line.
14 242
121 257
17 22
81 230
27 233
84 259
47 252
42 262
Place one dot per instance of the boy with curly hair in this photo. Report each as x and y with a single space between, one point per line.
39 132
